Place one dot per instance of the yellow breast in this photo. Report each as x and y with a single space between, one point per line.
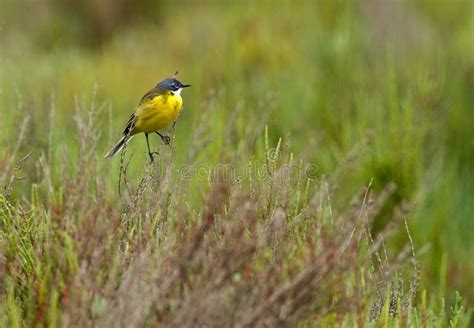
157 113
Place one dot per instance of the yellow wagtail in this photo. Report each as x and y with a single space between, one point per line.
157 109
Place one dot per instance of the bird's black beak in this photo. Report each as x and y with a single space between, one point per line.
185 85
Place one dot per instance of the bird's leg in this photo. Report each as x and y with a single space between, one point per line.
149 151
166 139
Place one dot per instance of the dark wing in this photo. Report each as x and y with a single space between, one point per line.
130 125
148 96
151 94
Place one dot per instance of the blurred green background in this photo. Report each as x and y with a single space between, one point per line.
392 80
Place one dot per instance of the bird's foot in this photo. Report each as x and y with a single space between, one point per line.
166 139
152 159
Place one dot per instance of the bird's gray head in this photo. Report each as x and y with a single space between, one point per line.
172 85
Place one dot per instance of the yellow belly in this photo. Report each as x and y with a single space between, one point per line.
157 113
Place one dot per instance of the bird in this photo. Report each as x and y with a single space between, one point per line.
157 109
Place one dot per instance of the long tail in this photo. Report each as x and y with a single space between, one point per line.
115 149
